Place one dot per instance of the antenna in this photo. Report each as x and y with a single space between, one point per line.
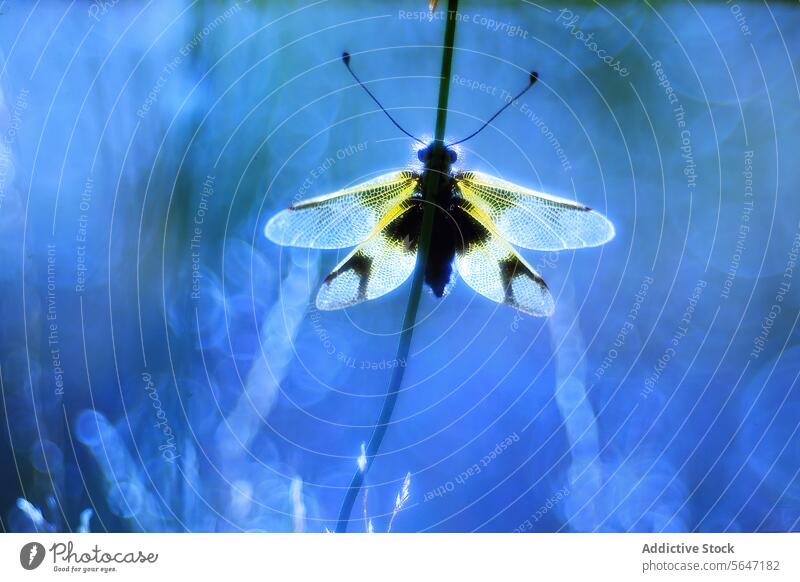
346 61
534 76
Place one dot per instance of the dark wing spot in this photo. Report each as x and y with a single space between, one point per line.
512 267
361 265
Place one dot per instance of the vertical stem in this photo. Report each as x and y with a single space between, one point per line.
447 65
423 246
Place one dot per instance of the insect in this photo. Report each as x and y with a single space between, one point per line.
476 219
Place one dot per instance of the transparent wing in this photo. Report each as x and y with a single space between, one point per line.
380 264
492 268
344 218
534 220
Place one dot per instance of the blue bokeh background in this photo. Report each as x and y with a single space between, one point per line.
162 363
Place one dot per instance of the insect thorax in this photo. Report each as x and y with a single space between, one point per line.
437 183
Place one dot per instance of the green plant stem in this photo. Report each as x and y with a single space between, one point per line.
423 247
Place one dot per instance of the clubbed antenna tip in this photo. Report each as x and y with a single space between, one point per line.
346 58
534 76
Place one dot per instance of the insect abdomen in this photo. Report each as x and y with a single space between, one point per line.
439 270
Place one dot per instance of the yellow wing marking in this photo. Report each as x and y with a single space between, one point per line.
534 220
344 218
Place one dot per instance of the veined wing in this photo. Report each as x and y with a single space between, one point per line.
380 264
492 268
534 220
344 218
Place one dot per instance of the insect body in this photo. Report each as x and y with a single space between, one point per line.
476 219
